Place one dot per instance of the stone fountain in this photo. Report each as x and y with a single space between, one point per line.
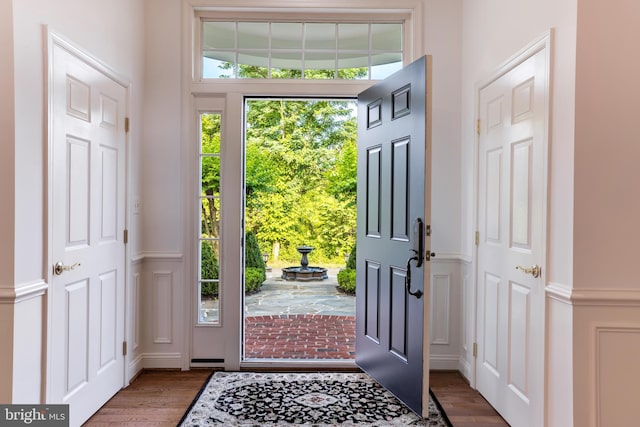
304 273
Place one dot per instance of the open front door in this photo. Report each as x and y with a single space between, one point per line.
394 158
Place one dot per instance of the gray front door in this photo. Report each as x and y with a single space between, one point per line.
393 221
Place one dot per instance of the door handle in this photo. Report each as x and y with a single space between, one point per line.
407 279
535 271
60 268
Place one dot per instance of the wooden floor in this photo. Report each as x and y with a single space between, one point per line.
161 397
464 407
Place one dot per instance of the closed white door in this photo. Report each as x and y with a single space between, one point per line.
511 209
86 312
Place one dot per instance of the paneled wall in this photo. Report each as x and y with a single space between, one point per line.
160 289
157 321
447 317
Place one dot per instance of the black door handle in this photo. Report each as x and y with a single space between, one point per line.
407 279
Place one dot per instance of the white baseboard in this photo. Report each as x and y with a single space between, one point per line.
135 366
444 362
161 360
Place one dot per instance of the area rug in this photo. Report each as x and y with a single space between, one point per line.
309 399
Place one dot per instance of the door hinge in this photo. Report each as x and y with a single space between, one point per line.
475 349
126 236
477 238
478 126
126 124
124 348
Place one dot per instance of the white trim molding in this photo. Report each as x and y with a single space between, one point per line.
559 292
593 297
606 297
23 292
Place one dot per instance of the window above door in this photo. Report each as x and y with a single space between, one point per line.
320 48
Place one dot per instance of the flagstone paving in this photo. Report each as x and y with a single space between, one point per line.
300 320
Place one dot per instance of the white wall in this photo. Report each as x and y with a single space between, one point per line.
110 31
162 145
607 208
443 40
493 31
7 192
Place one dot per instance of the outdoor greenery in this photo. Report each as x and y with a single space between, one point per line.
300 173
301 177
347 280
254 268
208 270
347 276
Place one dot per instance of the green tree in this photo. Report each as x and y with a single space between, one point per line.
253 262
300 175
210 174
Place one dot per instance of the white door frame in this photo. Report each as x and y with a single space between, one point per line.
234 91
543 42
54 39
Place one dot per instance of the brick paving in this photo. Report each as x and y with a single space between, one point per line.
300 336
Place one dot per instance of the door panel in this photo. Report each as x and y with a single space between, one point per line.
393 193
86 308
511 208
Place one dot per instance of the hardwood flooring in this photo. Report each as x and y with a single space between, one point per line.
154 398
160 398
464 406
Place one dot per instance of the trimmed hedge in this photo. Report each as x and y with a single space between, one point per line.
255 271
351 262
253 278
208 270
347 280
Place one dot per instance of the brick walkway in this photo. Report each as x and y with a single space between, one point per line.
300 336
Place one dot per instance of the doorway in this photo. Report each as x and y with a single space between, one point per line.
86 222
300 224
511 239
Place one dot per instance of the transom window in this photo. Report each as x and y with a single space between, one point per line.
300 50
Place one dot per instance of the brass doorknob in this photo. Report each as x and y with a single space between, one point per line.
60 268
535 271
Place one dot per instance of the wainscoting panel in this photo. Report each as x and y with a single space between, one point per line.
134 318
467 319
617 348
606 345
445 313
440 309
161 293
162 288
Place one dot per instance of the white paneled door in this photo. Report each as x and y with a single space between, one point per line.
86 312
511 209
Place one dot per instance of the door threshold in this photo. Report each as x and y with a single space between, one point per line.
298 365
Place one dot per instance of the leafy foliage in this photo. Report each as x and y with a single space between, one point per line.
347 280
301 176
253 258
253 278
351 262
208 269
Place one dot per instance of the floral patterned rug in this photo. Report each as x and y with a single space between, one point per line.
310 399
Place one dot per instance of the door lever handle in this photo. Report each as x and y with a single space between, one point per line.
535 271
60 268
407 279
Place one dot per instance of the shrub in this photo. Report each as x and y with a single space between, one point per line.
351 262
208 270
253 278
347 280
254 268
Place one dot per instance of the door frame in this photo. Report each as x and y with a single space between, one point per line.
53 39
234 91
543 43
